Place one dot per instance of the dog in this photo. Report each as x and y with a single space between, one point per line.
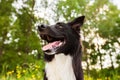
63 52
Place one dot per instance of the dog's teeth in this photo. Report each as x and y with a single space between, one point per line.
60 44
48 38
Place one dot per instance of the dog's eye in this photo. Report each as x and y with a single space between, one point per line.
60 26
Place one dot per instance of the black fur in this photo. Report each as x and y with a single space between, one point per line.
70 33
48 58
45 78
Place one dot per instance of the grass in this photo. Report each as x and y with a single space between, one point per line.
32 71
35 72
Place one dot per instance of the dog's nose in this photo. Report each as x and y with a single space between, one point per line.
41 27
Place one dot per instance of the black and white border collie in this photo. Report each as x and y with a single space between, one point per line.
63 51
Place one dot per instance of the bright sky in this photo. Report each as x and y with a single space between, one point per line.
116 2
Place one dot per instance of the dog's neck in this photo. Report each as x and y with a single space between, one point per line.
60 68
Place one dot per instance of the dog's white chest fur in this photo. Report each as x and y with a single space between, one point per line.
60 68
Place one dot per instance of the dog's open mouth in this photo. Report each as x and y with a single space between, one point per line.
53 43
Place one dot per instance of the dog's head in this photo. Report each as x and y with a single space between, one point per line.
61 37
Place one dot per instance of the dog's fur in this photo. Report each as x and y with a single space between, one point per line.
63 63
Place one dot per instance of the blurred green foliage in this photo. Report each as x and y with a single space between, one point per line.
19 42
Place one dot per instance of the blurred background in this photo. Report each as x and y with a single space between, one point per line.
21 57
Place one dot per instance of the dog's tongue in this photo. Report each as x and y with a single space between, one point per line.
51 46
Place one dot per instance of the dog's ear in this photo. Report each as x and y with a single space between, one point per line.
77 23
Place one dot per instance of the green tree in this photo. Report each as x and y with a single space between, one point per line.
19 41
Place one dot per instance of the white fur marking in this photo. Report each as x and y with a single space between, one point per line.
60 68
